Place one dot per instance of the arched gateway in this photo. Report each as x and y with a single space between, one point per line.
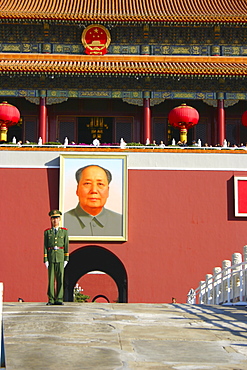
93 258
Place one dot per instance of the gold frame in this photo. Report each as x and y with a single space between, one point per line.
69 163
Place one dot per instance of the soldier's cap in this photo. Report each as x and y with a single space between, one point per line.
55 213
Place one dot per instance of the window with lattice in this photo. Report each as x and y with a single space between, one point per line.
160 129
30 130
202 132
124 129
232 131
66 129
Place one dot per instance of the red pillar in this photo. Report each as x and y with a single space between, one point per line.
43 119
221 129
146 120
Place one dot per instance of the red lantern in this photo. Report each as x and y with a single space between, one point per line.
244 118
9 116
183 117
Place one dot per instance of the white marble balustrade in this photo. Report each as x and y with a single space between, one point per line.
226 285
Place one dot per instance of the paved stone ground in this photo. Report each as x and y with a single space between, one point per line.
124 336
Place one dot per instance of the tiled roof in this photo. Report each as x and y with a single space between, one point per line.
123 65
127 10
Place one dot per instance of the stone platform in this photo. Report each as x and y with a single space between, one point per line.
124 336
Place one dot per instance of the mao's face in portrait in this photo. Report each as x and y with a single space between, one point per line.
93 190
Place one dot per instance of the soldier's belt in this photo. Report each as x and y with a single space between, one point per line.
55 248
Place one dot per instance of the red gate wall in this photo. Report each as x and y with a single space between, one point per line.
181 225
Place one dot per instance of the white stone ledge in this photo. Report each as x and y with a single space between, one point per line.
136 160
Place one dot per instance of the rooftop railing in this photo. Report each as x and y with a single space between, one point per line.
123 145
116 146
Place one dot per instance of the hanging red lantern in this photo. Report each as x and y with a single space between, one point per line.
9 116
244 118
183 117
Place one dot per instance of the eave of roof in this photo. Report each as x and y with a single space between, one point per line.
120 65
126 11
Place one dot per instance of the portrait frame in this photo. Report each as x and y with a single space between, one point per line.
116 202
240 196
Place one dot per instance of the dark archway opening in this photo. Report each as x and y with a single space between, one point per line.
93 258
103 297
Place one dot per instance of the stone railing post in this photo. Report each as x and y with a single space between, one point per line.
191 297
209 288
237 282
245 273
216 285
245 253
2 350
226 281
202 292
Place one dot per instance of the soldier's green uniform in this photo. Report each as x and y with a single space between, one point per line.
56 251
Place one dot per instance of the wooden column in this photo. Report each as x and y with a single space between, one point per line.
146 120
221 128
43 119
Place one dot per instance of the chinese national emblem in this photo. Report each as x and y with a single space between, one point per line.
96 39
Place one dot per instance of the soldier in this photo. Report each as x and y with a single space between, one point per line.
56 257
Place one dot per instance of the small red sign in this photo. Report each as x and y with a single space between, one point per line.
240 194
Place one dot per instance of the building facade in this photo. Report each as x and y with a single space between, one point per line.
147 57
181 224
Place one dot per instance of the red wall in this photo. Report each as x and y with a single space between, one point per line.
99 284
181 225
